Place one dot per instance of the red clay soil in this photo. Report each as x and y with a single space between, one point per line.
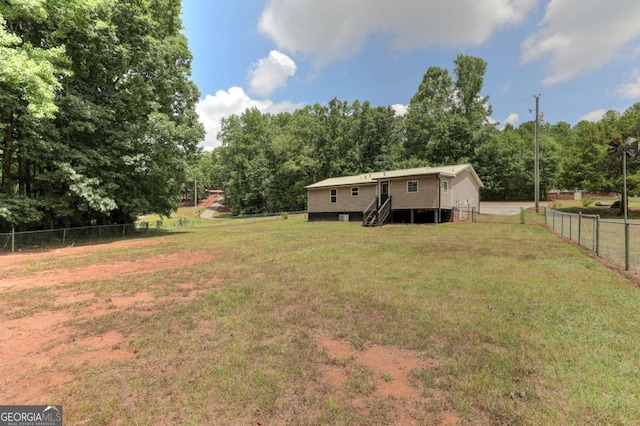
39 352
211 200
208 201
102 271
204 202
391 368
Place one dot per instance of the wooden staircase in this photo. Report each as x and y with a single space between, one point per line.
371 219
376 217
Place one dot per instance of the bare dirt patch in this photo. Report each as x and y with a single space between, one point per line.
208 201
27 369
41 350
391 379
15 260
104 271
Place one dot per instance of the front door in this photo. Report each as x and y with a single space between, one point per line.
384 191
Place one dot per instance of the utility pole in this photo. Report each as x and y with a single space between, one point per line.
630 148
624 207
536 173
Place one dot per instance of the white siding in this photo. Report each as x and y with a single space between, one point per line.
466 188
446 198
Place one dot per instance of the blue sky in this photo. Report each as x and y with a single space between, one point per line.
581 56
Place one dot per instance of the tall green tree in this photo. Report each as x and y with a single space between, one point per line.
31 70
448 120
427 123
246 142
117 123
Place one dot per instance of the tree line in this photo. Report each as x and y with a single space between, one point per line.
97 111
266 160
98 126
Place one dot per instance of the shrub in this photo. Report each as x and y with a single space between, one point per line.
586 202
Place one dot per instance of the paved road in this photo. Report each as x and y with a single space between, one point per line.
506 208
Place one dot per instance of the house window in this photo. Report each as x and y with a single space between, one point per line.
334 195
445 186
412 186
355 191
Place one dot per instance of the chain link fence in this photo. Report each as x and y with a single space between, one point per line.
505 215
277 215
462 214
14 241
608 238
181 222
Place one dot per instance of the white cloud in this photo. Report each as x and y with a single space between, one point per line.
213 108
630 90
513 118
400 109
271 73
327 30
266 75
583 35
594 116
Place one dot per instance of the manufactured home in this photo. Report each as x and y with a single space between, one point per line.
421 195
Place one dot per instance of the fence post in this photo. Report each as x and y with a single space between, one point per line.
597 235
626 246
522 215
13 239
124 228
553 220
579 226
64 235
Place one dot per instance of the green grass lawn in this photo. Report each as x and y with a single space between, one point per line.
520 327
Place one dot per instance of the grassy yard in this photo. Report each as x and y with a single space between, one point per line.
508 324
184 216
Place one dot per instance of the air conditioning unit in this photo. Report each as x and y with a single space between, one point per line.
343 217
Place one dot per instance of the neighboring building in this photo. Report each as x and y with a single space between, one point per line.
558 194
422 195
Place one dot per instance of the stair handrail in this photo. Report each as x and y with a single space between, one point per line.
369 210
384 211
